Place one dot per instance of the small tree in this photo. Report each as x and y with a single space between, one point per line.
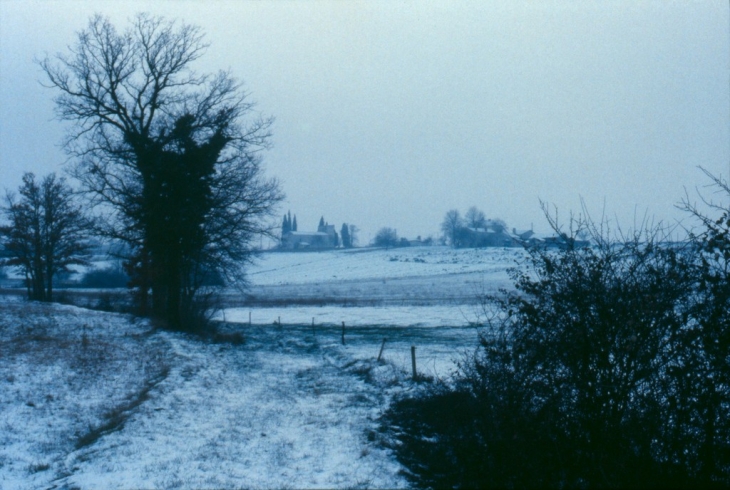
286 226
450 226
474 218
345 236
354 230
46 232
386 237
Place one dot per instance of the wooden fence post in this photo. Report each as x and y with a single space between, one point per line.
249 318
382 346
343 333
413 362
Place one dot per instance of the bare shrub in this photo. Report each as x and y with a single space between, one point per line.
589 374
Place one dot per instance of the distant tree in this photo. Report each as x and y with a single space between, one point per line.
404 242
286 226
497 225
474 218
345 234
386 237
450 226
46 232
321 225
294 224
354 230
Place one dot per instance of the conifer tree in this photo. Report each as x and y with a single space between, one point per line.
345 234
294 224
285 226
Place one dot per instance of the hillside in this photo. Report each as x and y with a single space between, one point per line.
376 277
98 400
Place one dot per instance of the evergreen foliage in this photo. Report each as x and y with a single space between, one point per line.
345 234
286 226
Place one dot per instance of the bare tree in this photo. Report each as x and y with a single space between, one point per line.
474 218
171 156
451 225
45 233
386 237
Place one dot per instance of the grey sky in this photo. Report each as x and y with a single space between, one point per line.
391 113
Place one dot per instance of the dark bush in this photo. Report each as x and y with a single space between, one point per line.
592 373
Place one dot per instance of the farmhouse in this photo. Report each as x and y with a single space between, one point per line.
482 237
324 238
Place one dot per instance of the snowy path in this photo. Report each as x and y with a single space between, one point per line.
273 413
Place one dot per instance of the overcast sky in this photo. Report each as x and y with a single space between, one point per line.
391 113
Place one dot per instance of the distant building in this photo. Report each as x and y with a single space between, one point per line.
324 238
522 235
560 240
481 237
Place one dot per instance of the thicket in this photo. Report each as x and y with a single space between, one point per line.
607 366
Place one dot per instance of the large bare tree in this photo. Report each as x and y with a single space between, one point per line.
171 156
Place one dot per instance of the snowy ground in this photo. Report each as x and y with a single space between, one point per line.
417 276
100 400
358 264
131 407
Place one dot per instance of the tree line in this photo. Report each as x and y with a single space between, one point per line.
464 231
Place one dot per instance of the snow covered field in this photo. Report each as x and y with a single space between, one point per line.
100 400
419 286
403 277
358 264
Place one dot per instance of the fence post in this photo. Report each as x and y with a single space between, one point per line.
382 346
249 318
413 362
343 333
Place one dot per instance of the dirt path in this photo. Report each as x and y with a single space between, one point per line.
280 411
